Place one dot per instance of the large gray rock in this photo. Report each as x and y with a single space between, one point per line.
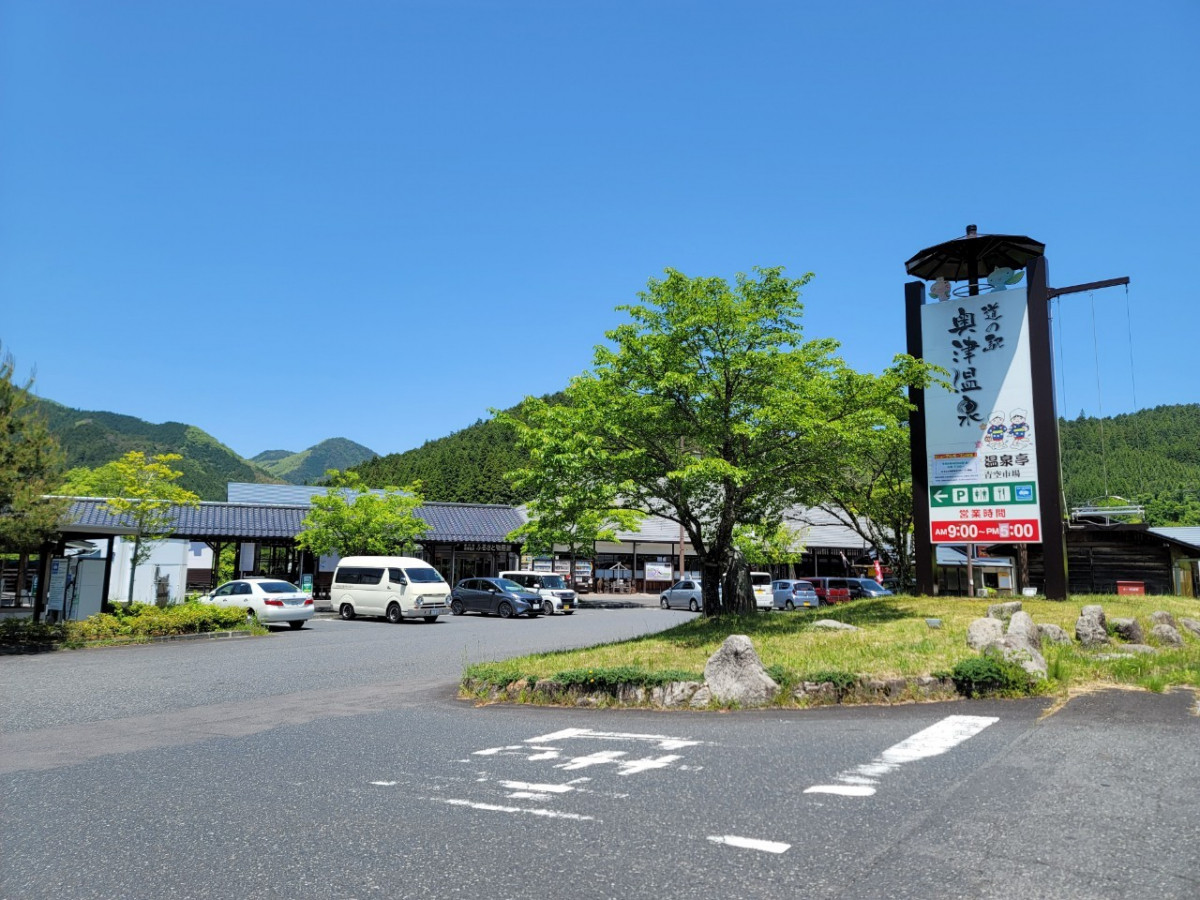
1191 625
834 625
1096 611
1029 658
1167 636
983 632
1004 611
735 674
1023 632
1089 630
1054 634
1128 630
1162 617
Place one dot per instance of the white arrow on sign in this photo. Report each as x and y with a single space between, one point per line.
940 496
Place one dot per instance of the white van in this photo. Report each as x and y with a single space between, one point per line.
556 596
764 597
397 587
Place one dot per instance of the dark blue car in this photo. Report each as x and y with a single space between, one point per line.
494 596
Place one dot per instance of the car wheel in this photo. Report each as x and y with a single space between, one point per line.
505 609
346 611
693 605
789 606
251 618
662 601
296 624
456 607
393 613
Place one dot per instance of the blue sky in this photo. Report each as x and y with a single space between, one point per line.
286 221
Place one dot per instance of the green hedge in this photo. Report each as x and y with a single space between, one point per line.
136 621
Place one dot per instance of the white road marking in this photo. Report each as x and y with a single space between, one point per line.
932 741
541 788
746 843
384 783
492 807
665 742
592 759
492 751
634 766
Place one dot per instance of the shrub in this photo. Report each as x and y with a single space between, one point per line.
843 681
23 630
609 679
978 676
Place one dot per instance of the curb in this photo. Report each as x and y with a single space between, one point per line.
26 649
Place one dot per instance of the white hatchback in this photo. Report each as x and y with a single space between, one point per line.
268 600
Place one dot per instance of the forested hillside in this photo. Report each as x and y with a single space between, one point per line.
309 466
467 466
90 438
1151 457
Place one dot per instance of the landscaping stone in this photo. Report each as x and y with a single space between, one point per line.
679 693
1089 630
982 632
1054 634
1166 635
1191 625
1138 648
1128 630
1096 611
1004 611
735 674
833 625
1028 658
701 698
1162 617
1022 632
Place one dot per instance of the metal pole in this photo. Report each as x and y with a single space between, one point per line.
914 299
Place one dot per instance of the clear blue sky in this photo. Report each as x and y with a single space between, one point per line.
286 221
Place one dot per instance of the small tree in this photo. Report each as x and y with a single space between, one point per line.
141 491
350 520
30 465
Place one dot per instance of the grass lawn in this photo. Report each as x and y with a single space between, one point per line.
895 642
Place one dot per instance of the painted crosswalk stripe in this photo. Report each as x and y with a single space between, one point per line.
746 843
932 741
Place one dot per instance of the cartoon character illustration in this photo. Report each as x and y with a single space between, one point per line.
993 434
1020 431
940 290
1001 278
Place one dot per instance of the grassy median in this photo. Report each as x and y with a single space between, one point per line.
896 640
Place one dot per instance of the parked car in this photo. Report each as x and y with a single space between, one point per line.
789 593
494 596
867 587
397 587
550 585
760 583
685 594
269 600
831 590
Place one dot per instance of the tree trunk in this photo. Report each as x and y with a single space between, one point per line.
133 564
710 586
736 590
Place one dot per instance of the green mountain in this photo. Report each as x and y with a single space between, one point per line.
92 438
467 466
1150 457
309 466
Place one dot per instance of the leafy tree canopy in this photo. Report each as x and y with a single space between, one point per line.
30 466
708 408
350 520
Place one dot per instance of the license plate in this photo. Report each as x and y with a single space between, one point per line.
566 606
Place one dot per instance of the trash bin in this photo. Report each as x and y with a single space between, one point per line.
1131 587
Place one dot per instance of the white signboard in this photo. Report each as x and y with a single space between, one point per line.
659 571
979 436
56 591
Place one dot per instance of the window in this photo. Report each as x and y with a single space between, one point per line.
424 575
396 576
279 587
242 588
358 575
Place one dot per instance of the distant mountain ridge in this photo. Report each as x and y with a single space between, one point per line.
309 466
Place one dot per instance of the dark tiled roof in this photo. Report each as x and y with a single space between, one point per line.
250 521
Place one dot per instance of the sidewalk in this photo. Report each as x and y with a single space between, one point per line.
616 601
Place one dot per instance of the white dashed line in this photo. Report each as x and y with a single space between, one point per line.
933 741
746 843
544 813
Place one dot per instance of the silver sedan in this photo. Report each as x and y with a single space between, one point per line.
790 593
684 594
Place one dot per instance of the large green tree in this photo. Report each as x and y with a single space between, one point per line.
707 408
140 491
572 505
30 466
872 494
350 520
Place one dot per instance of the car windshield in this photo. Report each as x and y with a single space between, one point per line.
554 582
424 575
506 585
278 587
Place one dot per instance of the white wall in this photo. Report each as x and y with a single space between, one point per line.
170 557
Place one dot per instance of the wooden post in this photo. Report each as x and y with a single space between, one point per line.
914 299
1045 429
